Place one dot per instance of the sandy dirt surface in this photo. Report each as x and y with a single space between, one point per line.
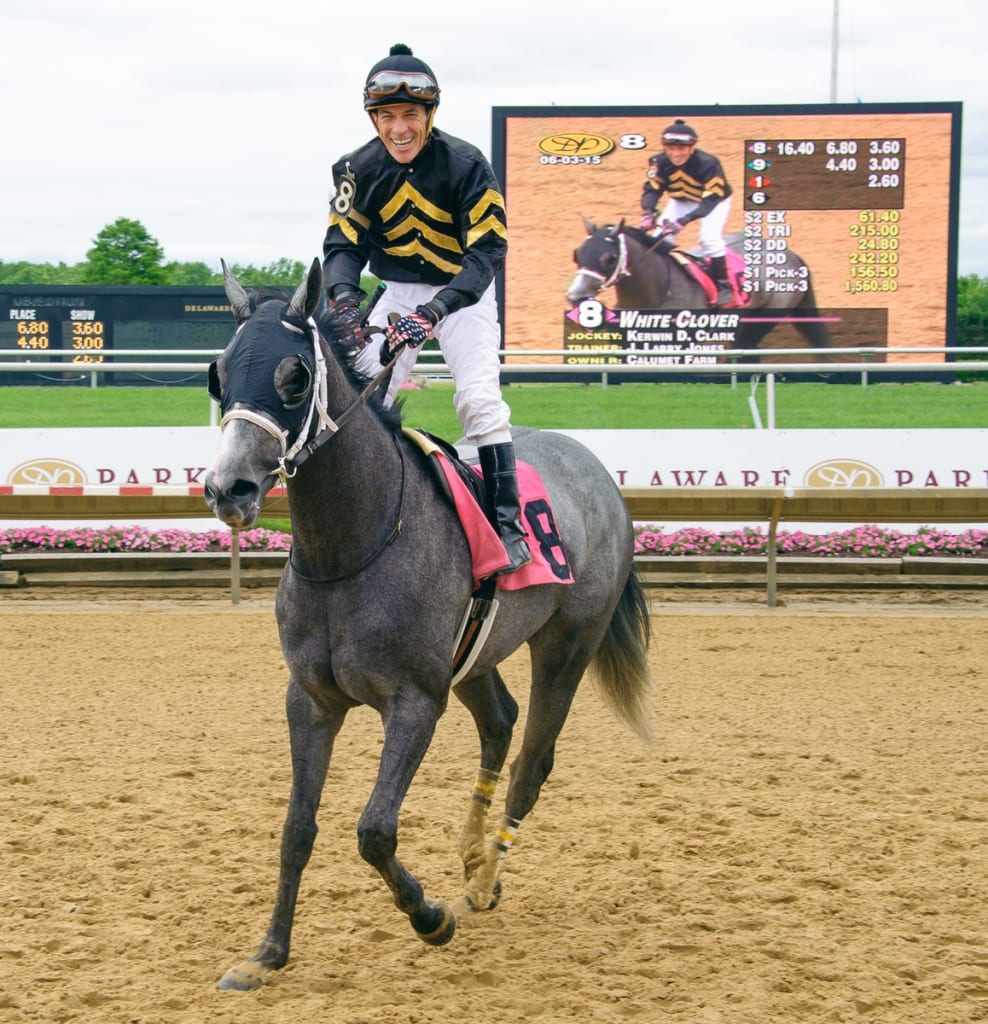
806 844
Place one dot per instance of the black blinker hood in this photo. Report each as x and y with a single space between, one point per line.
252 358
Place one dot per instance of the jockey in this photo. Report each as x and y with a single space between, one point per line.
698 190
425 211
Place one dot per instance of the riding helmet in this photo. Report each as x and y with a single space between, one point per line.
679 134
420 87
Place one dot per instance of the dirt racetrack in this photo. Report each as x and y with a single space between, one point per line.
807 844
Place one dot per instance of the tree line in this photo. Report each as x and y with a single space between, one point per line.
125 253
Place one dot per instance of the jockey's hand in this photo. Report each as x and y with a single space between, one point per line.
347 323
647 222
671 228
413 329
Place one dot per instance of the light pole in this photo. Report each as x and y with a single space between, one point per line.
833 53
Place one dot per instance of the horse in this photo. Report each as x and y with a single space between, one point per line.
371 597
646 274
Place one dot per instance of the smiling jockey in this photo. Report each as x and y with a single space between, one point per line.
425 211
698 190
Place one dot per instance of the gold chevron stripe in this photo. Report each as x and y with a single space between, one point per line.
408 194
346 227
416 248
490 224
343 223
490 198
412 223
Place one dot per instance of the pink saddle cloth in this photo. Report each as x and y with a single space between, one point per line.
548 564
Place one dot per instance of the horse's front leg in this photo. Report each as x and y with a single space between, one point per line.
312 730
408 728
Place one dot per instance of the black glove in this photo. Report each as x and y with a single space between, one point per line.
413 329
672 227
346 322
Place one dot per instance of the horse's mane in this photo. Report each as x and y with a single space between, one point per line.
638 235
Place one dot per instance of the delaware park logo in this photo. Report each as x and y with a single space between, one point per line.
574 148
47 473
842 473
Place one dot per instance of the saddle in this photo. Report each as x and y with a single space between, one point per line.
463 485
694 263
428 443
461 482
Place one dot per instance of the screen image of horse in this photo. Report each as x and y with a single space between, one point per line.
647 275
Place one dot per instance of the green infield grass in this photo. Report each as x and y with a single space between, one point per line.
561 406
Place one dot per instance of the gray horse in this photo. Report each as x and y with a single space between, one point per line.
372 600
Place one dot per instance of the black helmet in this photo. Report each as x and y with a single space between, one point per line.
401 78
679 134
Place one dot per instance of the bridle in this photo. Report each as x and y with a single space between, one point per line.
318 422
620 270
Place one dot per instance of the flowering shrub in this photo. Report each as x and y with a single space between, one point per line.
137 538
861 542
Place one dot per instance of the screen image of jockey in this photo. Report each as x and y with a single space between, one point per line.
696 188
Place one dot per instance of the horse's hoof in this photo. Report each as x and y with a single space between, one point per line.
245 977
489 904
442 932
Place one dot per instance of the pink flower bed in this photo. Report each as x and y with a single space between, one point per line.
861 542
137 538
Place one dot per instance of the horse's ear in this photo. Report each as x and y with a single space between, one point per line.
620 226
589 226
308 295
239 299
613 230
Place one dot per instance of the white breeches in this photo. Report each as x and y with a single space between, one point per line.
711 226
470 342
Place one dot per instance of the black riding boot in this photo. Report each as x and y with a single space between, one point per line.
718 270
503 507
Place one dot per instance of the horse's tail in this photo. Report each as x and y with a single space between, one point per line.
620 665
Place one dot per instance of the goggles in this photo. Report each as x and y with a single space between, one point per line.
416 84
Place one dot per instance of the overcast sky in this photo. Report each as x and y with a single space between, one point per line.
215 122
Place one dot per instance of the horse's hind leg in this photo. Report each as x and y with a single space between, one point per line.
553 687
494 712
312 730
409 724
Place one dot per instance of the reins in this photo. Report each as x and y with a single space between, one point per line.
621 269
295 455
301 452
290 461
374 555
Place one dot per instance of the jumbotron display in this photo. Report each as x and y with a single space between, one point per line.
841 231
83 326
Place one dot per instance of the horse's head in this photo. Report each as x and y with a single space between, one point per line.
601 260
265 383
